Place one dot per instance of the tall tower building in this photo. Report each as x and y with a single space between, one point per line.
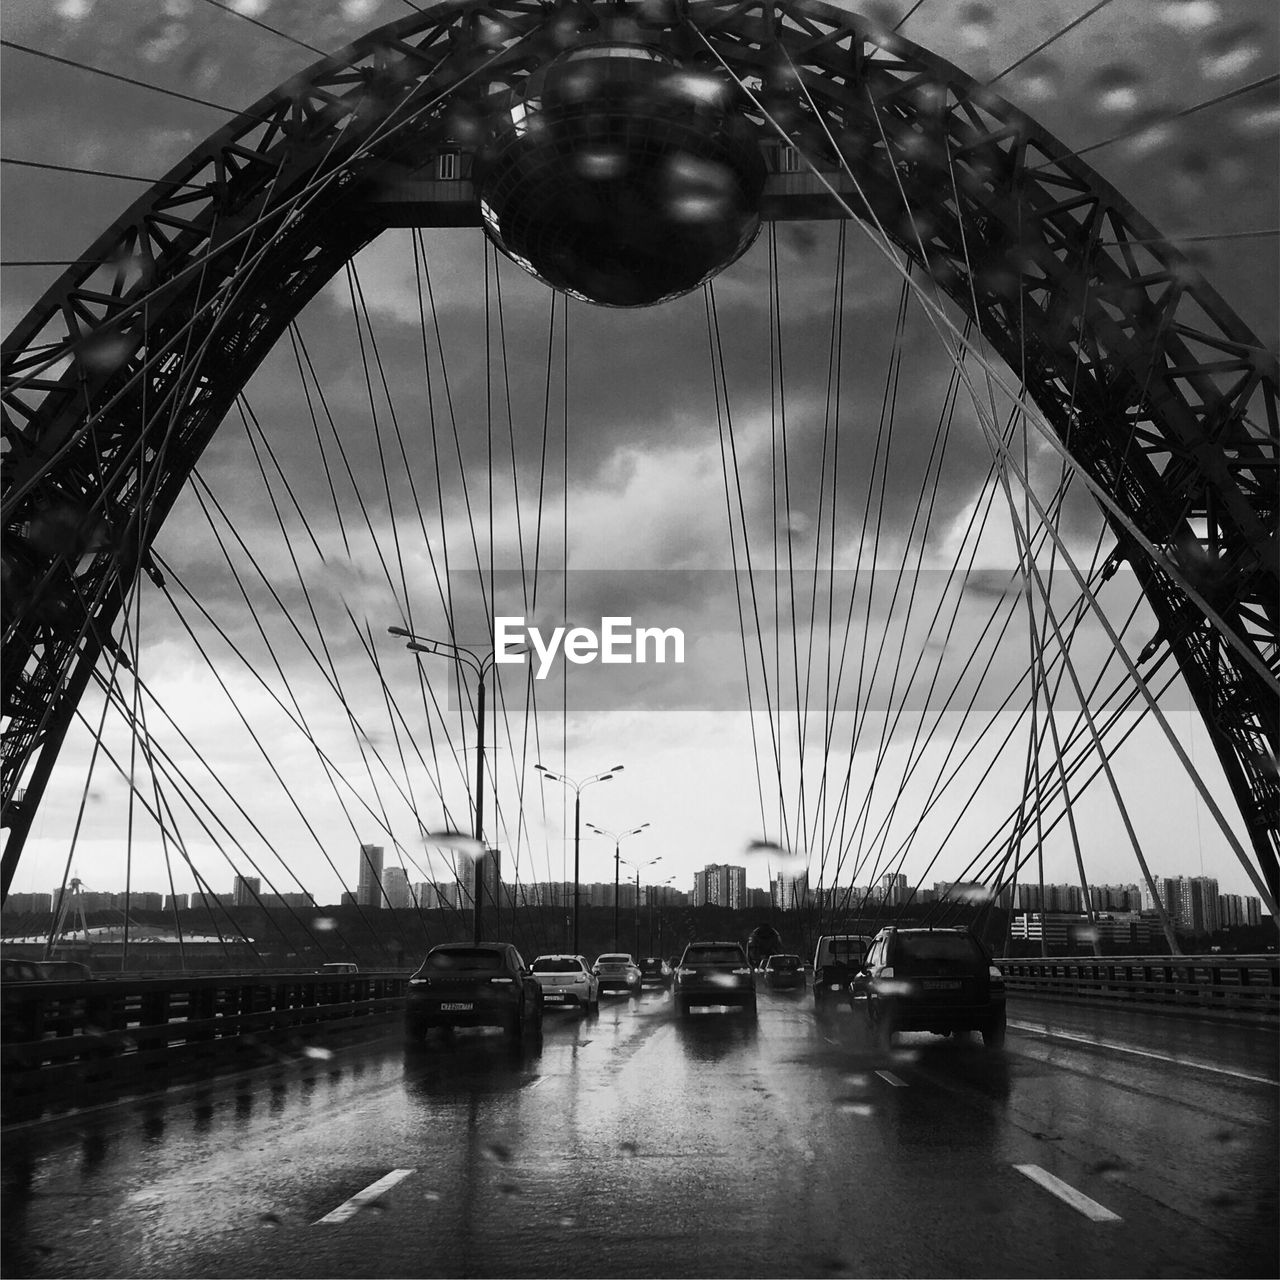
245 890
791 893
395 887
369 889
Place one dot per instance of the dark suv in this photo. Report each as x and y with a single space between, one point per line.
714 973
939 980
481 984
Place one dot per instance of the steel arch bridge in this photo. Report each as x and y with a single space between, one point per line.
117 380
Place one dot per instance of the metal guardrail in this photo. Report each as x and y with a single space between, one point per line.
66 1040
1213 981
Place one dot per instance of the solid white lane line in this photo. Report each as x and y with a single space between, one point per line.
889 1078
361 1198
1144 1053
1068 1194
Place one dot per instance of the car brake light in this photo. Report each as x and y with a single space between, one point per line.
835 986
994 973
508 981
419 982
685 973
886 972
740 973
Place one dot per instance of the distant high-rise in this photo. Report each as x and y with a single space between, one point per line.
720 885
245 890
395 887
893 888
369 889
790 893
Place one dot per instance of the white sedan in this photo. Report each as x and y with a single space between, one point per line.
565 981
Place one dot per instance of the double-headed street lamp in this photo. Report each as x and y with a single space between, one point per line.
481 663
617 841
548 776
639 866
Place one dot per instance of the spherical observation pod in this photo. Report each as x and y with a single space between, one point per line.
620 177
120 376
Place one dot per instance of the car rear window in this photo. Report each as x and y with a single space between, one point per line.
845 949
784 962
463 961
556 966
937 948
714 955
618 959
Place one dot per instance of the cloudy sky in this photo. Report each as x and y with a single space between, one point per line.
638 485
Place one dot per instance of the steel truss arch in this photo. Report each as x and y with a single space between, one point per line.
119 377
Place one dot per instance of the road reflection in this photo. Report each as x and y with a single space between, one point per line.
712 1034
464 1064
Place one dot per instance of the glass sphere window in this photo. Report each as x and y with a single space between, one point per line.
621 177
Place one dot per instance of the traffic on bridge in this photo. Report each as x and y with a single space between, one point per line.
634 1141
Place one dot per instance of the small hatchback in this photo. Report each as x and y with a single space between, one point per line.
714 973
655 972
939 980
783 973
617 972
567 982
482 984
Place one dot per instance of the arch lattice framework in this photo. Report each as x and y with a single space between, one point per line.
118 378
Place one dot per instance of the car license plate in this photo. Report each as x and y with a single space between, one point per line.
942 984
457 1006
553 995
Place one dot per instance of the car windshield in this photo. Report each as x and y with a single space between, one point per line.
946 949
556 965
714 955
467 960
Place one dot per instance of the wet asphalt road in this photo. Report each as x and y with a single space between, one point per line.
632 1144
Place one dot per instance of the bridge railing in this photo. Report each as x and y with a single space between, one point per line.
1212 981
60 1041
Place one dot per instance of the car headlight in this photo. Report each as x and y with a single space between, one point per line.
419 982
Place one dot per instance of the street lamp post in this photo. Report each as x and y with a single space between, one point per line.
481 664
548 776
617 842
638 867
652 888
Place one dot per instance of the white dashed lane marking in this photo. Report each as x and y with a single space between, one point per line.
1141 1053
1068 1194
351 1207
889 1078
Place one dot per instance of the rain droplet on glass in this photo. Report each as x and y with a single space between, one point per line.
854 1107
1189 15
627 1149
1118 89
1231 52
466 845
496 1152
